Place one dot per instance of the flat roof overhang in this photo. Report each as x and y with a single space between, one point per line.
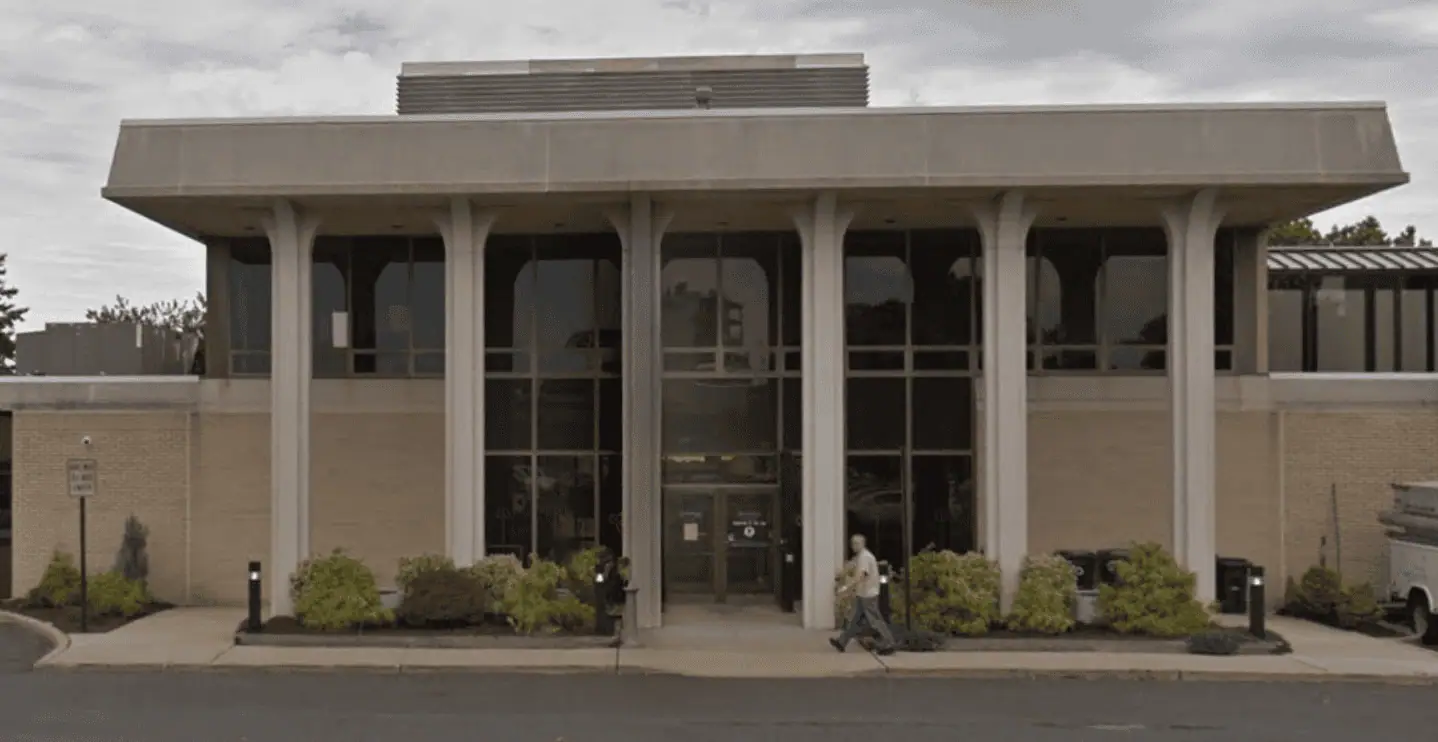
1272 161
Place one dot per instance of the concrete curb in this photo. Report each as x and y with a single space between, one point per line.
1227 676
59 640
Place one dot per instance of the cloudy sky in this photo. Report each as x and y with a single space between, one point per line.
71 69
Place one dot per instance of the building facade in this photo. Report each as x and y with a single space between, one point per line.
719 340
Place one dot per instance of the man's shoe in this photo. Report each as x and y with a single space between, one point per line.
836 645
885 651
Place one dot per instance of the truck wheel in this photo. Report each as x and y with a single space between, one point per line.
1425 624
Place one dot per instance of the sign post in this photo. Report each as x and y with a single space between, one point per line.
83 479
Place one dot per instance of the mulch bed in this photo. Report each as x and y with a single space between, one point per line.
1089 638
285 631
1375 629
68 619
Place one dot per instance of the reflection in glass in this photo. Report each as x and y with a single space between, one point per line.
565 500
877 288
564 297
1285 329
328 278
945 286
508 500
1342 325
689 285
507 414
611 502
249 276
427 294
380 283
508 301
566 414
1385 327
792 391
611 414
1224 262
1416 316
715 415
875 408
719 469
943 510
874 504
943 413
749 282
1135 298
791 297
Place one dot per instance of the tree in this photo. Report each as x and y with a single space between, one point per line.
184 317
1364 232
11 314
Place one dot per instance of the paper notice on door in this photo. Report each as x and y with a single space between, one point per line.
691 531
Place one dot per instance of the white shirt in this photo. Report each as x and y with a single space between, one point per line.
867 568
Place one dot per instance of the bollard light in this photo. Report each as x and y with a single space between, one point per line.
1256 602
253 624
603 622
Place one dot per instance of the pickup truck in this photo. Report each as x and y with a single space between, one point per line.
1413 556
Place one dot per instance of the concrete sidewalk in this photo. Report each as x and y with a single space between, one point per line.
203 639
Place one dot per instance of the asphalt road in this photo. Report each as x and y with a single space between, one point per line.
276 707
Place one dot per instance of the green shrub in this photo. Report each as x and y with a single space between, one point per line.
579 570
497 573
336 593
59 586
1048 591
113 594
1215 642
1317 595
844 583
442 597
954 594
1357 606
533 603
1154 596
412 567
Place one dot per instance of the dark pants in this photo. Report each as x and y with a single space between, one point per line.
866 615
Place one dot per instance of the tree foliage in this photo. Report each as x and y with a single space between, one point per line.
180 315
11 314
1367 231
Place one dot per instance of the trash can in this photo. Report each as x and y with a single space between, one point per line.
1232 587
1107 559
1085 564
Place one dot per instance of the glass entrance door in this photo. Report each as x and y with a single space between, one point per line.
720 543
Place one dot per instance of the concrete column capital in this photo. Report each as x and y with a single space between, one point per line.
822 211
288 224
1009 215
462 213
621 218
1193 218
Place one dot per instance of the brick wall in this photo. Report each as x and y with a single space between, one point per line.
1103 479
1358 453
143 469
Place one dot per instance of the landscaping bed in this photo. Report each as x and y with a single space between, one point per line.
496 603
67 618
286 631
952 604
1322 598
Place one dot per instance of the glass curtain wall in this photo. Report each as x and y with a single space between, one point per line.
553 394
730 329
378 307
911 337
1352 322
1098 300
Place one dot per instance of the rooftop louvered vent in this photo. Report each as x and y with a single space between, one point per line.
798 81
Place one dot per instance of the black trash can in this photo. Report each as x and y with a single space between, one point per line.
1085 564
1107 559
1232 587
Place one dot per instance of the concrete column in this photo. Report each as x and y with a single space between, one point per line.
641 224
217 309
1191 225
821 225
292 235
465 230
1250 302
1004 225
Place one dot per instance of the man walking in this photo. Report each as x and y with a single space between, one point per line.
866 600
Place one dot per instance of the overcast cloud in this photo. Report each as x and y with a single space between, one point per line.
71 69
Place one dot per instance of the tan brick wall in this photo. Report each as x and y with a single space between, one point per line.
230 505
1102 479
377 487
143 469
1360 453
